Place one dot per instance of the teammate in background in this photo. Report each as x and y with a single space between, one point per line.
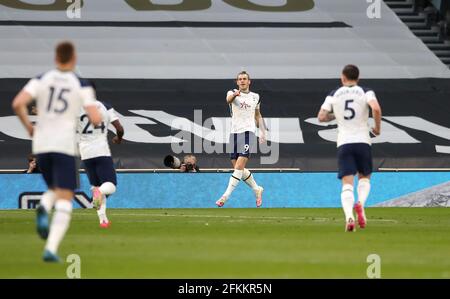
245 117
96 156
349 105
59 95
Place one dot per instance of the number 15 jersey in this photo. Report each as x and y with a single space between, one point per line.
351 109
59 97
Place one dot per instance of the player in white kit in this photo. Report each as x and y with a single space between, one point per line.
245 118
350 106
59 96
96 156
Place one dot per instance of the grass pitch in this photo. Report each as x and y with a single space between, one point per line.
234 243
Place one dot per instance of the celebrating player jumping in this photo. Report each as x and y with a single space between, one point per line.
245 117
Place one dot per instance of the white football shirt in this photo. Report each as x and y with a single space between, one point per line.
242 111
59 97
93 141
350 107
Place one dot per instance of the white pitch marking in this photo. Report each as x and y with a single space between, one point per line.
238 217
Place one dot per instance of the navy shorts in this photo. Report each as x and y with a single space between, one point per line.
241 144
59 170
354 158
100 170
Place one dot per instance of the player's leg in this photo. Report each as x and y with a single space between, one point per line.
247 176
347 201
90 166
108 182
233 162
94 171
232 149
236 176
65 182
59 225
48 198
347 169
363 192
240 153
365 165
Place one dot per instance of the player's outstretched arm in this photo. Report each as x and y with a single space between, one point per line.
376 113
119 132
19 106
325 116
232 96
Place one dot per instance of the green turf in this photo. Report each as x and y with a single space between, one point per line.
234 243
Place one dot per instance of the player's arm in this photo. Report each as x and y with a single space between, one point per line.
325 116
376 113
326 111
119 132
232 95
19 106
260 125
94 114
114 120
89 100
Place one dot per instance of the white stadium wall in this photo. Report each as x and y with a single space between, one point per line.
117 41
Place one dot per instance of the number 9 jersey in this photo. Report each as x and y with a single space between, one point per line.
59 97
93 141
351 109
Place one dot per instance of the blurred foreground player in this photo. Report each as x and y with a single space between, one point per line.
96 156
349 105
245 117
59 96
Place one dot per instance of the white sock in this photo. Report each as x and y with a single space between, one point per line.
348 200
247 177
363 190
60 224
234 181
107 188
48 200
102 211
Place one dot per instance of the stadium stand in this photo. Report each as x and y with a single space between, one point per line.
156 65
428 20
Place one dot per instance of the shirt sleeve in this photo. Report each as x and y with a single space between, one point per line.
328 104
88 96
112 115
32 87
370 96
229 93
258 105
